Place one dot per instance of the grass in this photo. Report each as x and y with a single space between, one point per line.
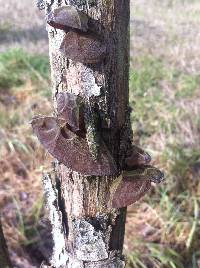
153 105
164 92
177 239
24 92
156 90
17 67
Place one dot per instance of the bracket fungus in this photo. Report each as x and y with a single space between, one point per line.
134 185
128 192
70 149
136 157
85 48
68 17
79 44
144 172
70 107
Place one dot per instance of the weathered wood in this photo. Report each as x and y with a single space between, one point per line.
4 257
87 231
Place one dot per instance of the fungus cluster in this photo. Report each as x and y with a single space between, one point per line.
65 135
80 43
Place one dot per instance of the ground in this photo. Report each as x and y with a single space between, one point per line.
163 229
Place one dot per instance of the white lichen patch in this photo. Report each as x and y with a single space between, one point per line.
89 243
60 256
73 263
81 80
57 37
113 263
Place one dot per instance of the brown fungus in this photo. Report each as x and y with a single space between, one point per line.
137 156
70 107
70 149
68 17
144 173
84 48
134 184
129 191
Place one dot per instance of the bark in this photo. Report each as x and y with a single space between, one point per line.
87 231
4 257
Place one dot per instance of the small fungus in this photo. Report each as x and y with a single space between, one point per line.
84 48
144 173
136 156
68 17
130 191
70 107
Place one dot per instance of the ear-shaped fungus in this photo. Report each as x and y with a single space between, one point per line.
68 17
70 107
84 48
134 185
136 157
144 173
129 191
72 150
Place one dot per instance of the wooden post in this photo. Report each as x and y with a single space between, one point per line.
98 172
87 231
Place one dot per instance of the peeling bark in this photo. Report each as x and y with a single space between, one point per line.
87 231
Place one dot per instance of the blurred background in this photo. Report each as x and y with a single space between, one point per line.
163 229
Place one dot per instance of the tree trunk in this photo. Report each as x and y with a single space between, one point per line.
87 231
4 257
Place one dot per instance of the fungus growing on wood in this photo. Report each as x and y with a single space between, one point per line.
70 107
134 184
70 149
144 172
137 156
68 17
130 191
84 48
